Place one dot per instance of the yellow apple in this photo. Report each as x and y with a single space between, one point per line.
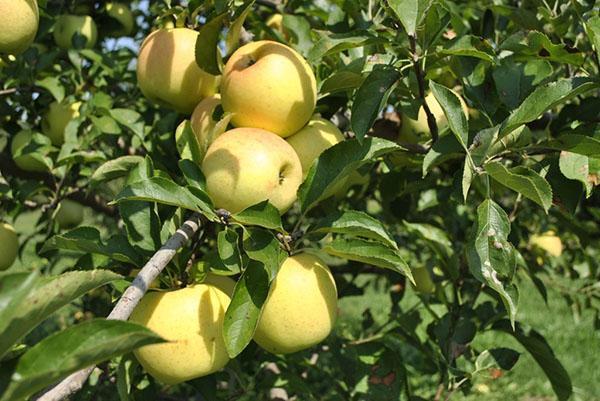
69 213
269 85
56 119
19 20
25 162
69 25
417 131
167 72
548 242
224 283
312 140
423 281
245 166
9 245
191 319
202 121
301 307
123 15
275 22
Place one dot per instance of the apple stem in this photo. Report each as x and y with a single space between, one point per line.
129 300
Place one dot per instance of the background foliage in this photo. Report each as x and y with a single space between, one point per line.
463 204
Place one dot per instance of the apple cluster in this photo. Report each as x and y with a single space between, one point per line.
267 94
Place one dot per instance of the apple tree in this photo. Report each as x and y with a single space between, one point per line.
195 194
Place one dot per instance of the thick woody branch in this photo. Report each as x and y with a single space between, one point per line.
129 300
421 83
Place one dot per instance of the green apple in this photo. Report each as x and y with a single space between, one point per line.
417 131
312 140
167 72
191 319
9 245
56 119
123 15
547 242
68 25
19 20
269 85
26 162
245 166
301 307
69 213
423 282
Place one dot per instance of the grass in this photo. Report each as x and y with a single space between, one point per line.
575 343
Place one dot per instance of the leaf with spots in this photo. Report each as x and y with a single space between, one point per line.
491 257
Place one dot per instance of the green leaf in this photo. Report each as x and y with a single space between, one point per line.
187 143
410 12
545 98
503 358
142 224
262 214
49 295
87 240
261 245
106 125
524 181
470 46
233 33
356 224
15 288
575 143
299 29
369 252
576 167
490 256
52 85
165 191
446 147
432 235
338 42
371 97
467 177
229 249
341 81
450 104
592 27
192 173
541 351
514 81
241 317
119 167
207 48
536 44
336 163
72 349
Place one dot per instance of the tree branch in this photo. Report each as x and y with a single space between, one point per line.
421 82
129 300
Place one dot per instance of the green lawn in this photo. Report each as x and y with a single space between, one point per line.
575 343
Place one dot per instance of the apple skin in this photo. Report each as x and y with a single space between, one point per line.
26 162
123 15
312 140
547 242
9 245
301 308
167 72
245 166
19 20
417 131
192 320
56 119
269 85
69 214
423 281
202 120
68 25
224 283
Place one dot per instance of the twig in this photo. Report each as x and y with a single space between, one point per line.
8 91
128 301
420 81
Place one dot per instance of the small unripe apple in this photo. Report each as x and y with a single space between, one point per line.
191 319
25 162
19 21
547 242
417 131
167 72
9 245
301 308
56 119
69 25
269 85
69 213
312 140
123 15
423 282
245 166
